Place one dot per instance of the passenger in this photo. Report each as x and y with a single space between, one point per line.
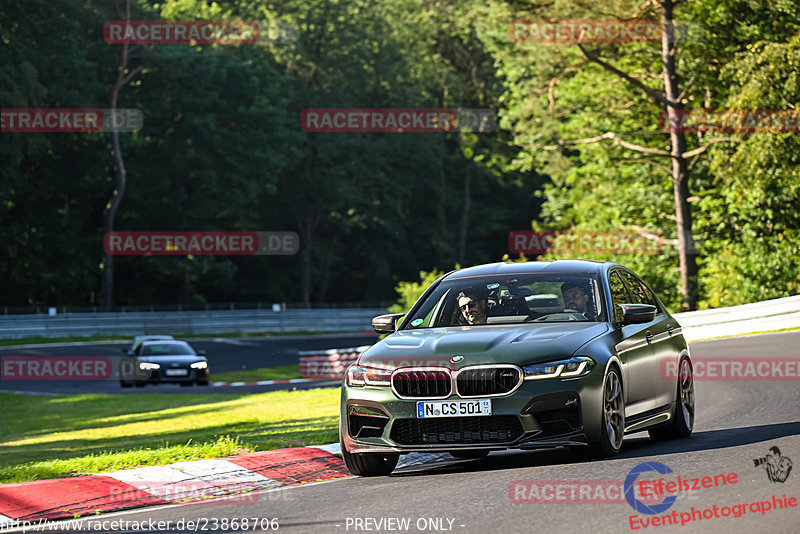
473 306
576 297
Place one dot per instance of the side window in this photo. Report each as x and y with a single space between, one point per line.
639 291
650 298
618 295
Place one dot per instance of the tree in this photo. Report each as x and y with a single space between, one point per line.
124 77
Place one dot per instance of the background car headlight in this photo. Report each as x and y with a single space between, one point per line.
572 367
199 365
360 375
147 366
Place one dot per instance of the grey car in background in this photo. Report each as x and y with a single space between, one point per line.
163 361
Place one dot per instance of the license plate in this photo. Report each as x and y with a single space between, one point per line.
176 372
459 408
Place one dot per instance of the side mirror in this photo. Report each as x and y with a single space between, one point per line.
125 351
201 353
637 313
386 324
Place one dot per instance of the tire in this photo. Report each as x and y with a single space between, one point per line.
369 464
202 382
683 413
612 423
125 383
139 384
186 384
469 454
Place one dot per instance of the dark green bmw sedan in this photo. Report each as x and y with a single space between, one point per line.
518 355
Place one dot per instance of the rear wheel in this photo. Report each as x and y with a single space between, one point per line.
683 414
125 383
369 464
469 454
202 382
186 384
612 427
139 384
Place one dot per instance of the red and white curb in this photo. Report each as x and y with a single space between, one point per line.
230 480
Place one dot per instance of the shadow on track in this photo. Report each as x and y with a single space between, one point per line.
637 447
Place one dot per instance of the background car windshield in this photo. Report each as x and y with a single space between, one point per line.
511 299
166 348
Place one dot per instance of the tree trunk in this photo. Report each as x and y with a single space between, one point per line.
680 185
123 77
462 237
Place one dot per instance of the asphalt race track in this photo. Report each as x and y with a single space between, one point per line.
736 423
224 354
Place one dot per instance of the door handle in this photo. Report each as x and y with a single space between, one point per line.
649 337
669 329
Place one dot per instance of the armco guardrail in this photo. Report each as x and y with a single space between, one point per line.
183 323
330 363
745 319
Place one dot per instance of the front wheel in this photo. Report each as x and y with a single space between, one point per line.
369 464
612 427
683 414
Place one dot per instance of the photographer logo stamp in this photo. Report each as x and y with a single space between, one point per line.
777 467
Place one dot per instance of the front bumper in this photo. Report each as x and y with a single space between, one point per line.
539 414
159 376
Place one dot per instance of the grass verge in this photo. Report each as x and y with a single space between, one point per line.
285 372
53 437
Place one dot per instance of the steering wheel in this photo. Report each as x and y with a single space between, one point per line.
572 317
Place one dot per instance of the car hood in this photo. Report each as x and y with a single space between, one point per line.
515 344
183 359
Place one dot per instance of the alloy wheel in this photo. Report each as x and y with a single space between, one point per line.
613 416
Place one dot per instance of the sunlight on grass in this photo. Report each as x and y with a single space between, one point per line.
46 437
285 372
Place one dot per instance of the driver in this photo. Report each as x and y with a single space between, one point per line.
576 297
472 304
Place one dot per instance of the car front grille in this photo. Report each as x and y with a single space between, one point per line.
474 382
477 430
422 384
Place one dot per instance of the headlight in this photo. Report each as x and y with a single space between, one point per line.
199 365
575 366
359 375
147 366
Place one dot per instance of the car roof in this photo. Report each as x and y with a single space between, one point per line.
152 337
550 267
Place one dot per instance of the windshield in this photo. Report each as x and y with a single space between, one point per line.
492 300
156 349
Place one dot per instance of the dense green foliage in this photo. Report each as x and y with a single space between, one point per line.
222 147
